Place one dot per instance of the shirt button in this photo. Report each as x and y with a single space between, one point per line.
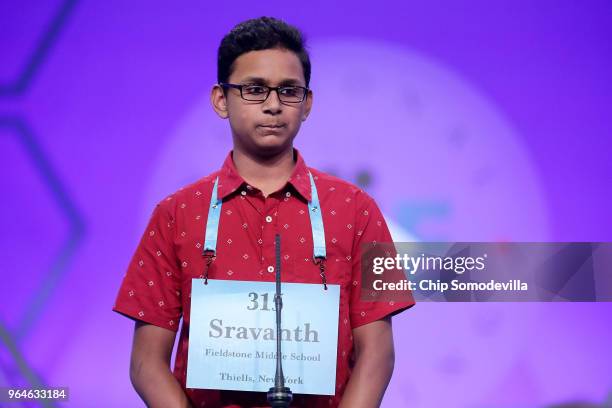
243 192
268 219
288 194
270 269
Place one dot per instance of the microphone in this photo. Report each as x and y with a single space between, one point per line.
279 396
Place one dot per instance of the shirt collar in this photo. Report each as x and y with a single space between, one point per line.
230 180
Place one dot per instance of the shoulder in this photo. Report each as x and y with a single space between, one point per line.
342 189
188 195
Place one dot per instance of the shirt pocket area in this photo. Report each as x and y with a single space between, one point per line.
337 271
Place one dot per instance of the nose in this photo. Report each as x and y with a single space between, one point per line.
272 104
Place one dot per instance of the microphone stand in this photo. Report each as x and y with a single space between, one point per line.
279 396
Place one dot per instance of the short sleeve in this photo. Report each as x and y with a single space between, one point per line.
370 227
151 289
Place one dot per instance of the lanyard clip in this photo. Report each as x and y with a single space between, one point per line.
209 256
321 262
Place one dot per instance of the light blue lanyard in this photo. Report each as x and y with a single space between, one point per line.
316 222
212 224
314 210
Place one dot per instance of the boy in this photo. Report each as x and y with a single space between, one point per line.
265 188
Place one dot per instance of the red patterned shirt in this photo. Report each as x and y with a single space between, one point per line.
156 288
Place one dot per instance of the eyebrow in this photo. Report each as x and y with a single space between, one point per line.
262 81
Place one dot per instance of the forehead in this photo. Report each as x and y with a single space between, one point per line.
274 65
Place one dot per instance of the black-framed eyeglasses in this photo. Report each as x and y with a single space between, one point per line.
259 93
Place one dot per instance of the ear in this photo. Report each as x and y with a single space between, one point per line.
307 105
219 101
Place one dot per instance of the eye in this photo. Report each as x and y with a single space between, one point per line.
290 91
254 90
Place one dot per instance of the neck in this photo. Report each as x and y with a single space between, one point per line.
268 174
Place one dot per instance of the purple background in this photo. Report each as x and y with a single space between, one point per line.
475 122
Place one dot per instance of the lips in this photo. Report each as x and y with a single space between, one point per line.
272 126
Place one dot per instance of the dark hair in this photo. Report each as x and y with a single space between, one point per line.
260 34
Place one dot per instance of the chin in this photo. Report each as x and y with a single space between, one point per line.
272 147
